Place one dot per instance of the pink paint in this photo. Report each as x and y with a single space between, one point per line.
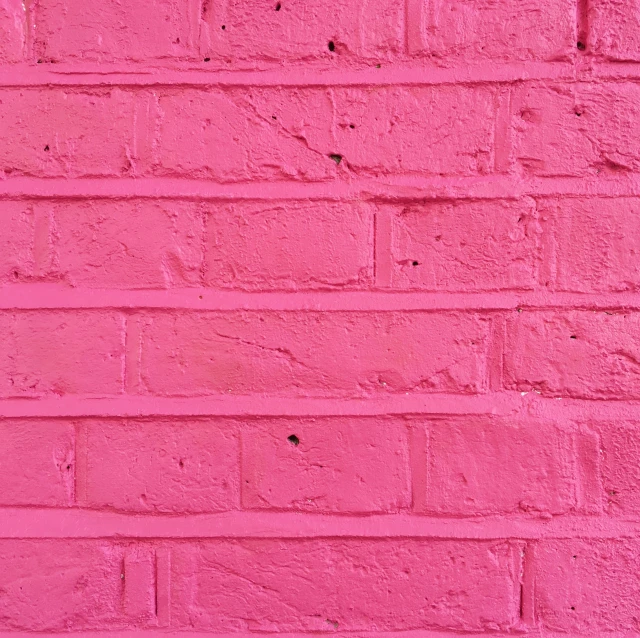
319 318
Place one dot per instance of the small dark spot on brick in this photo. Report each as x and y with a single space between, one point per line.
578 113
574 556
378 66
573 609
573 337
200 297
278 7
438 237
352 125
581 46
273 117
415 263
334 623
223 27
207 59
332 46
16 274
39 62
46 148
519 309
68 467
612 493
336 158
293 439
181 463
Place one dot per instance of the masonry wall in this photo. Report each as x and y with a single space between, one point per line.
320 317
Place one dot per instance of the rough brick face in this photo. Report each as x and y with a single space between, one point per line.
465 246
480 467
60 353
56 133
115 31
292 353
162 466
337 466
578 585
578 354
594 243
255 34
319 317
37 462
265 246
94 244
238 586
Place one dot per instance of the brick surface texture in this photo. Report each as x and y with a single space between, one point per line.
320 318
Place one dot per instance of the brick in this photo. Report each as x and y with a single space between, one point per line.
273 585
462 245
289 245
255 33
70 30
613 29
337 465
61 585
128 244
36 462
588 586
621 468
17 259
162 466
584 130
601 362
58 352
482 467
476 29
595 246
12 30
312 353
67 133
218 134
287 133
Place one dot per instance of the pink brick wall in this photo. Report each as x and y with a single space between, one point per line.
320 317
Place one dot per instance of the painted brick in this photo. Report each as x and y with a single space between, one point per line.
239 586
162 466
67 133
620 468
578 584
584 130
36 462
262 246
283 133
12 30
58 353
613 29
454 32
130 244
337 465
60 585
484 245
594 241
256 33
296 353
590 354
481 467
17 259
69 30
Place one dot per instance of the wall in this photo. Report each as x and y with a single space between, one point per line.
320 317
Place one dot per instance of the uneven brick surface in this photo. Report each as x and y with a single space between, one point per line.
319 317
